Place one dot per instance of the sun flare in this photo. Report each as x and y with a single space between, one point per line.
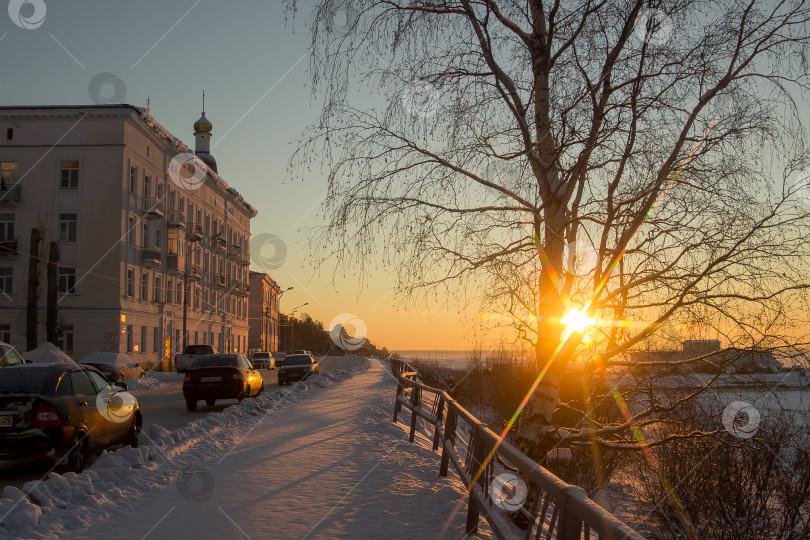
576 321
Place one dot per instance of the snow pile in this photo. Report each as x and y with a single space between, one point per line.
47 354
153 379
63 505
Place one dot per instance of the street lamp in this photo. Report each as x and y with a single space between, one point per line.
292 325
269 315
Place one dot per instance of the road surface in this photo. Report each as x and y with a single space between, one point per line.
164 406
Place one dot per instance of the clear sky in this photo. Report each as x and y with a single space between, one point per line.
252 64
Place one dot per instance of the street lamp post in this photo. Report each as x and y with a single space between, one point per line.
292 326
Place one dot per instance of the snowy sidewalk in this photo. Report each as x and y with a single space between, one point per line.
331 465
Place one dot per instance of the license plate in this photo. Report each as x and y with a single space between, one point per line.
6 421
210 379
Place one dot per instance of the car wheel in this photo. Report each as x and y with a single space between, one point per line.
77 456
191 404
261 389
132 435
210 402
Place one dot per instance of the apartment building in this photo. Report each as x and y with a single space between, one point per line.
263 312
143 252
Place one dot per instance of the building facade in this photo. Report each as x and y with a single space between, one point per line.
144 252
263 312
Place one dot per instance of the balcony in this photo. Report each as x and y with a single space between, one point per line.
151 257
219 244
11 195
175 264
218 279
245 260
194 272
153 208
194 232
244 290
8 247
235 253
177 219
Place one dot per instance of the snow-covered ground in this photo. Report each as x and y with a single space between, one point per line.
332 465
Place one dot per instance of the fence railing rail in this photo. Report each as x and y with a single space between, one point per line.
554 508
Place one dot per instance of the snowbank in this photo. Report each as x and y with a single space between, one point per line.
47 354
63 505
153 379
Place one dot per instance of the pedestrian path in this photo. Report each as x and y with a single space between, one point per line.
332 465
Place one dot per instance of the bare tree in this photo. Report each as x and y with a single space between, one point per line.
633 160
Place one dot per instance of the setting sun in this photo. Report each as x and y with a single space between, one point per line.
576 321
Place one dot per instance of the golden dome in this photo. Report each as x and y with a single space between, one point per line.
203 125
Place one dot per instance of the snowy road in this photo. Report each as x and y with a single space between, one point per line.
329 464
163 405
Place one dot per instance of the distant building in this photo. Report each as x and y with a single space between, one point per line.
744 361
263 312
96 180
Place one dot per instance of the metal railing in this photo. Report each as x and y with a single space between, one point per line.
555 509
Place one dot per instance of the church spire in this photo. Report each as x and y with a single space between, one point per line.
202 139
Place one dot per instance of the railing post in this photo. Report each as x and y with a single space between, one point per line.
476 463
414 404
570 525
449 435
439 416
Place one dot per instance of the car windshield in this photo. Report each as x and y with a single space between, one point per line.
261 355
198 349
215 361
297 360
25 380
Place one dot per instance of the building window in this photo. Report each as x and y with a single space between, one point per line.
67 280
176 243
130 282
131 232
145 287
156 346
156 290
68 224
65 338
178 347
169 291
8 173
143 339
157 238
145 237
6 281
196 337
133 180
70 175
179 292
147 187
5 333
6 227
130 338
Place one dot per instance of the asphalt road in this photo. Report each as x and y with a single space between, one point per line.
164 406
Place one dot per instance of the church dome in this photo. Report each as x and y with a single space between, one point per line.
203 125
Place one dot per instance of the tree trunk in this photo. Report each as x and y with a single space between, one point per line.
51 324
33 291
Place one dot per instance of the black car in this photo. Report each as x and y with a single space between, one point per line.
220 376
297 367
65 411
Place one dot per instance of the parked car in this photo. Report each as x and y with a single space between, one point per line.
279 358
297 367
263 360
9 356
220 376
114 366
64 410
182 362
